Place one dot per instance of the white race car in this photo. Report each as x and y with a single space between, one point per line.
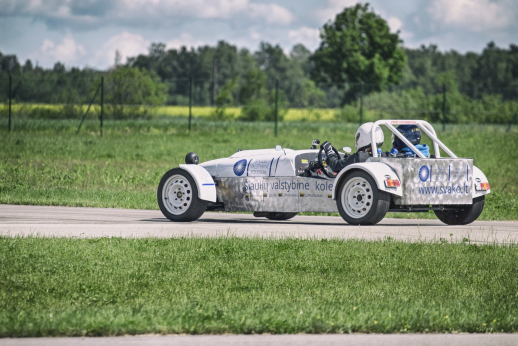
279 183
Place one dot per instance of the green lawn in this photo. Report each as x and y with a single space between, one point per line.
113 286
45 162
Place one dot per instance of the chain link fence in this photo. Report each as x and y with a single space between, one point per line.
131 94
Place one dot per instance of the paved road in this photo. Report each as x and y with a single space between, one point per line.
289 340
96 222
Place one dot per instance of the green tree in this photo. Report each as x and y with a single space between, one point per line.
223 100
358 46
132 92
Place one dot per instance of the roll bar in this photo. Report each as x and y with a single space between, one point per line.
423 125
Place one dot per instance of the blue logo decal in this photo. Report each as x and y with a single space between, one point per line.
424 173
239 167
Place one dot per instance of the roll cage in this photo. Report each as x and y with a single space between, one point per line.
423 125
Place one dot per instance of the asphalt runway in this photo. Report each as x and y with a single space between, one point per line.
20 220
288 340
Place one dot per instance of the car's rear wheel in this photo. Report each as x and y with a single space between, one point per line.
465 214
177 196
359 200
281 216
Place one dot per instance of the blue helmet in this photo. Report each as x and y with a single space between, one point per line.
411 132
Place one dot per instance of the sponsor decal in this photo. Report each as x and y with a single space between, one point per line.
301 194
444 190
446 173
424 173
259 167
403 122
239 167
304 161
287 185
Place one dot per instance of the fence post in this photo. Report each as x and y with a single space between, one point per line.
361 103
276 104
190 102
102 104
88 109
512 120
10 97
443 106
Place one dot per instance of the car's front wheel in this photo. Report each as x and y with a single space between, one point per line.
177 196
359 200
464 214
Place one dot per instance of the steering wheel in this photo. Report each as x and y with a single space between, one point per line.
323 165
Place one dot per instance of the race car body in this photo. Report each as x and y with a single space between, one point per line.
279 183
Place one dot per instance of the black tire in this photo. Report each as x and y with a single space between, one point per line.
466 214
281 216
193 211
378 207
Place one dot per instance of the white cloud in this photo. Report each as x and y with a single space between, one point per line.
67 51
473 15
271 13
186 40
126 43
308 36
255 35
219 9
142 12
394 24
333 8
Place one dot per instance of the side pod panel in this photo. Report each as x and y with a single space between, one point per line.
477 173
377 170
204 182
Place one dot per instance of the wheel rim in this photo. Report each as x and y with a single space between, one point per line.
357 197
177 194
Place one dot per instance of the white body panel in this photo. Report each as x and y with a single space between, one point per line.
204 182
378 171
477 174
256 163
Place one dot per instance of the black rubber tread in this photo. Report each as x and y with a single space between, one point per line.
380 203
197 207
281 216
466 214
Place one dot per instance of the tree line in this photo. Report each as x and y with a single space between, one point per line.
366 58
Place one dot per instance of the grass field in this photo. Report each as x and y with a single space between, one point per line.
45 162
114 286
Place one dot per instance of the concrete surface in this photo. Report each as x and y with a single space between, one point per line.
287 340
19 220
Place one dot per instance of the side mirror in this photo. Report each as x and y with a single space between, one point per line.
347 150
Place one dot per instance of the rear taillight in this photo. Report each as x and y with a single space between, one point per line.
482 186
392 183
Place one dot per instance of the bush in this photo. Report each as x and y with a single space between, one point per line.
416 104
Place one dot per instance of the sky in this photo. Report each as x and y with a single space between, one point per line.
88 32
